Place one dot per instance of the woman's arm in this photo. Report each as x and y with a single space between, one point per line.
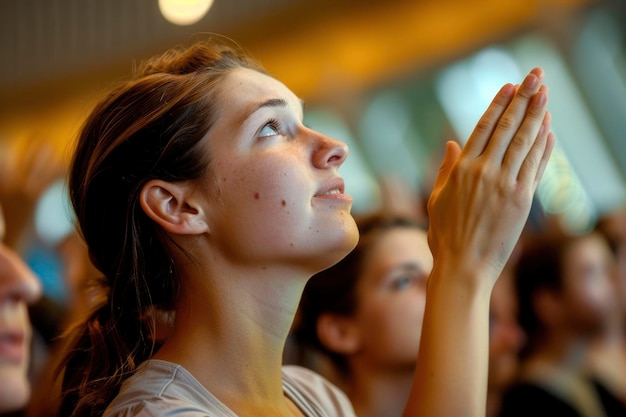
477 210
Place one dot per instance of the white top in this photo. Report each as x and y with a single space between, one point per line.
161 388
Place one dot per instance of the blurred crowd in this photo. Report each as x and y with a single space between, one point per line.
557 319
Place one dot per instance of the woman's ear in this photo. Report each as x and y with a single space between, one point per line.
173 207
338 334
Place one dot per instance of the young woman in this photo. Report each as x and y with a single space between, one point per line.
365 315
19 287
198 189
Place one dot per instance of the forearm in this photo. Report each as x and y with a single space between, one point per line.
451 374
477 209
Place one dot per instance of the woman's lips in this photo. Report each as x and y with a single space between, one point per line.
333 189
12 347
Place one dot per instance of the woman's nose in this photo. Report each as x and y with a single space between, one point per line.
328 151
17 280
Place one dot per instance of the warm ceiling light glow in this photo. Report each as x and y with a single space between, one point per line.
184 12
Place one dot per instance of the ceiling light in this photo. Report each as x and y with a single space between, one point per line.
184 12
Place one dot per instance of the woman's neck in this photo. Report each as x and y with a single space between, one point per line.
230 333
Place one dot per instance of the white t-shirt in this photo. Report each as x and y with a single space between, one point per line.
165 389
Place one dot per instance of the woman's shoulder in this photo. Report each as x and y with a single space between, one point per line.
164 388
315 394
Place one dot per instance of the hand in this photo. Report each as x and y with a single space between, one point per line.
482 194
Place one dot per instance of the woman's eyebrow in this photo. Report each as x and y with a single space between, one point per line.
272 102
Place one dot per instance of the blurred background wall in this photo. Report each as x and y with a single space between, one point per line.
394 79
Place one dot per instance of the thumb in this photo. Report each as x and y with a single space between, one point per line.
453 150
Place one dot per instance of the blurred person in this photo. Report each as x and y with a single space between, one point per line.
564 292
19 288
607 359
40 230
365 314
29 165
612 225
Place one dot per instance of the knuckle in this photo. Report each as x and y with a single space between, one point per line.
531 162
484 126
483 171
505 187
525 93
536 112
507 122
519 143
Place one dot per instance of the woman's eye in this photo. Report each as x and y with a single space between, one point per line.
401 283
270 129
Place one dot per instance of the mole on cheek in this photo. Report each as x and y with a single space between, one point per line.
256 196
283 203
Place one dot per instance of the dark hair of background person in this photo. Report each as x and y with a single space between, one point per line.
151 127
334 289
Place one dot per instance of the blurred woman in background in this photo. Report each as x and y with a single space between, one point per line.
365 314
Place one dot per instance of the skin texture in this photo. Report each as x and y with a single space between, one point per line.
18 288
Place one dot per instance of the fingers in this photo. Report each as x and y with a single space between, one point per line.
534 127
453 151
496 128
525 111
534 163
485 127
551 140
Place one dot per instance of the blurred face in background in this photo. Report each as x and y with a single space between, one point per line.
18 288
391 297
614 227
588 293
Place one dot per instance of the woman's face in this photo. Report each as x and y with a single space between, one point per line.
587 285
18 287
279 199
391 296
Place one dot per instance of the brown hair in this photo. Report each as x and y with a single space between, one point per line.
147 128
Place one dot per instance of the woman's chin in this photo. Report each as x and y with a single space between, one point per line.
342 248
